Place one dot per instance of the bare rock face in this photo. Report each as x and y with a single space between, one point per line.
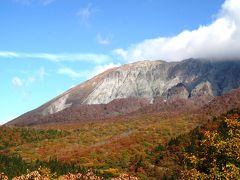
58 105
204 88
150 80
143 79
177 92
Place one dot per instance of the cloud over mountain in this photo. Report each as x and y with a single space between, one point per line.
218 40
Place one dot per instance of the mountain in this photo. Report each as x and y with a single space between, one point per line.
125 89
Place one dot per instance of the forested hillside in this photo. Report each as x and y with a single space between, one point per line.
209 151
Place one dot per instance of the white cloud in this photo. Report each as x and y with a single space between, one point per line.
23 82
31 79
103 40
8 54
17 82
70 72
218 40
101 68
95 58
41 73
36 76
88 73
85 14
47 2
29 2
121 53
26 2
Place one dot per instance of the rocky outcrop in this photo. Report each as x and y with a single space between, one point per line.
179 91
204 88
58 105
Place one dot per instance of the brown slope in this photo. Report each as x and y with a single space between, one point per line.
206 106
222 104
84 112
202 107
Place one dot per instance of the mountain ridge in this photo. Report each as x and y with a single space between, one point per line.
145 80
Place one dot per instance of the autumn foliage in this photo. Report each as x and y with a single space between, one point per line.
218 154
153 146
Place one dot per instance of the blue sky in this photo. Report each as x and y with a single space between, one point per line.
48 46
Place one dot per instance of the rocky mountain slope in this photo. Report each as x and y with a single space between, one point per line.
144 82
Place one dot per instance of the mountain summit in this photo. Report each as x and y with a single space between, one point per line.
147 80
